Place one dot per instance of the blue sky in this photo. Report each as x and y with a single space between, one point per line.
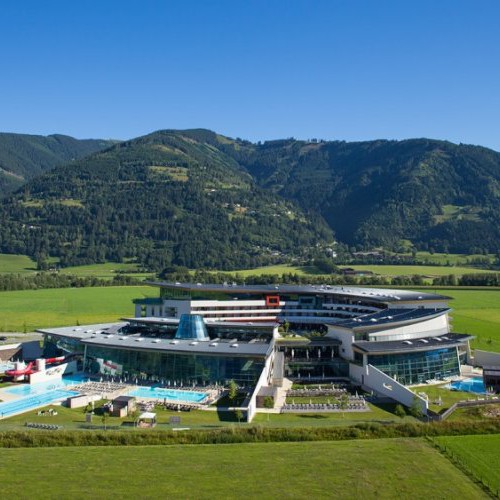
256 69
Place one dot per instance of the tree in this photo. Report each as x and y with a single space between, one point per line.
239 415
400 411
344 401
415 408
233 390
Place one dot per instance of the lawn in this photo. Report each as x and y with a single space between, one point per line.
75 419
430 271
454 259
476 312
19 264
29 309
278 269
448 398
106 270
383 413
384 468
480 455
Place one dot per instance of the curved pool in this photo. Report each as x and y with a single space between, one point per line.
474 384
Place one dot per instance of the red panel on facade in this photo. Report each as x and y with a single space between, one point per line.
273 301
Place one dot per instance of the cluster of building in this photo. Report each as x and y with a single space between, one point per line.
383 340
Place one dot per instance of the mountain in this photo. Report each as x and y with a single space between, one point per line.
434 194
23 156
198 199
169 198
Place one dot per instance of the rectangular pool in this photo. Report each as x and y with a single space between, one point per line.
168 394
30 402
42 387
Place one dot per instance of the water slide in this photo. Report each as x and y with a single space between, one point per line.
24 371
50 361
30 368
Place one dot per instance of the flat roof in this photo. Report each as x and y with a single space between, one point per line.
188 346
387 317
375 294
152 320
410 345
108 335
82 331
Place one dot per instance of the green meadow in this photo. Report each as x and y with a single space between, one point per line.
383 468
26 310
479 455
21 264
476 312
17 264
383 270
428 271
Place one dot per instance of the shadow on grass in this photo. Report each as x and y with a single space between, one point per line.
317 417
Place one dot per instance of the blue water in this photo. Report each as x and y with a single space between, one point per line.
475 385
169 394
42 387
28 403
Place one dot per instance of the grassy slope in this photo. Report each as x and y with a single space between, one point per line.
16 264
479 454
372 469
477 312
21 264
383 270
67 306
433 271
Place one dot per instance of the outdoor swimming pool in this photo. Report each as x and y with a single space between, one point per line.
474 384
169 394
43 387
28 403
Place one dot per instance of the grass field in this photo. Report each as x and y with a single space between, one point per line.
383 270
476 312
107 270
430 271
454 259
30 309
480 455
75 419
384 468
436 392
19 264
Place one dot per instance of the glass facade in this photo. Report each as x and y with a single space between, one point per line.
182 368
192 326
417 367
61 346
314 361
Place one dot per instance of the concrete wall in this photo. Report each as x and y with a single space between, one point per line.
486 358
346 337
264 380
430 328
374 379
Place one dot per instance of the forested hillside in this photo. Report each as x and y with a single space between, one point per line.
198 199
435 194
167 198
23 156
